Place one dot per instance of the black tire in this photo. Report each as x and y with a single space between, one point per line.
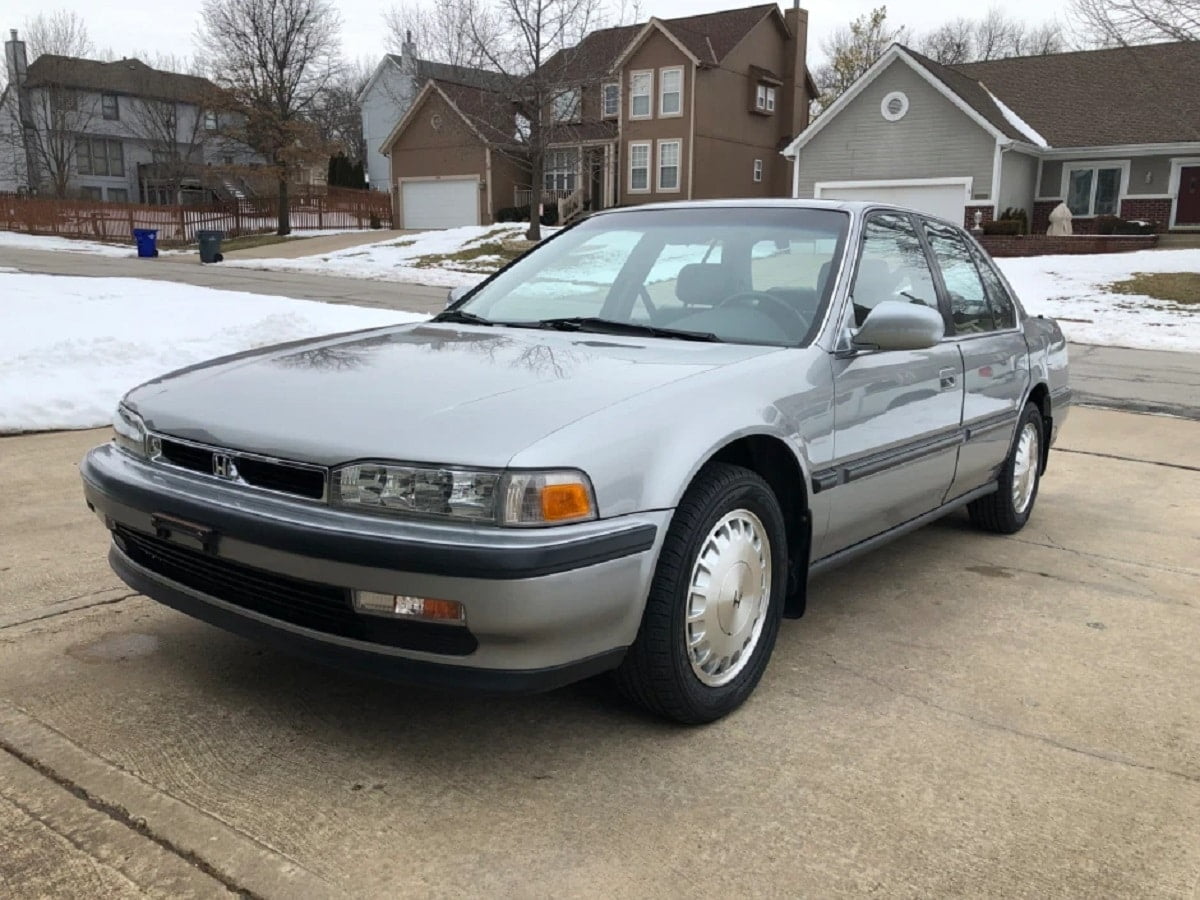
997 511
218 257
657 672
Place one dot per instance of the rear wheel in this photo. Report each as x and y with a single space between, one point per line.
1008 509
715 603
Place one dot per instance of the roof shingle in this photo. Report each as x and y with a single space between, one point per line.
127 76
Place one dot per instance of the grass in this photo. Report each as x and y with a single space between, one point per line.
248 241
485 253
1175 287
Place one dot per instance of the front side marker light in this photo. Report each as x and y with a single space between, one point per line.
402 606
565 502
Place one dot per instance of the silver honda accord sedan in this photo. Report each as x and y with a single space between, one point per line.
627 451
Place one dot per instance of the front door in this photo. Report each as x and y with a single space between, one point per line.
897 413
1187 210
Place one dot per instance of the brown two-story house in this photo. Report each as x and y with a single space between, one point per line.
689 108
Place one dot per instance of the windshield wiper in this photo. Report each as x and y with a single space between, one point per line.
608 326
461 315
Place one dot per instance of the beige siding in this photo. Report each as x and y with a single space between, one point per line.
934 140
1018 176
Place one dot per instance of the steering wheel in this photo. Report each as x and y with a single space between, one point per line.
783 313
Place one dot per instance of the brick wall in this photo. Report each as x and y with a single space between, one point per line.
969 216
1041 216
1156 211
1045 245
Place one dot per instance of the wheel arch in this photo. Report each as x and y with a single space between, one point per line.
774 459
1040 396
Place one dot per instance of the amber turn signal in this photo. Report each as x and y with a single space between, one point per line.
565 501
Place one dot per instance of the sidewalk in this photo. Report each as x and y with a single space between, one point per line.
296 247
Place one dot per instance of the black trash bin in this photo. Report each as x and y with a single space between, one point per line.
210 246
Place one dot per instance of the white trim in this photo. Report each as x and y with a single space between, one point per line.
649 94
884 105
997 168
603 87
691 144
1037 184
661 81
678 165
980 203
649 145
400 182
796 178
1122 187
1177 167
756 171
966 183
894 52
1057 153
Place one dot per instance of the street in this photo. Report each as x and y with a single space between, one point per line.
957 715
1136 380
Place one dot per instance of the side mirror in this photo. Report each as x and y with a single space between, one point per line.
455 295
894 325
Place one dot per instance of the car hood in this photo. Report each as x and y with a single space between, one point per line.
435 393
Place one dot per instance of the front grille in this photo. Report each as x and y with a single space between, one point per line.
321 607
284 477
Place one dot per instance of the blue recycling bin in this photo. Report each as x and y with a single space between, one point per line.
147 241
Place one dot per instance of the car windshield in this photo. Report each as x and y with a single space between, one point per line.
758 275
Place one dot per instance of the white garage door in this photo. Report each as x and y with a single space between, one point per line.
945 200
439 204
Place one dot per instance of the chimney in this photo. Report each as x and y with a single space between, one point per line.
14 59
408 54
796 98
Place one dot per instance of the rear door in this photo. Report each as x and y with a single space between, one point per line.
896 412
995 356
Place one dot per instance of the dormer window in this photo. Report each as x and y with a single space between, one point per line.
764 98
612 100
210 120
108 106
566 106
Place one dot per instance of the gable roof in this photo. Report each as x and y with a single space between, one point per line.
707 37
427 68
484 112
127 76
1084 99
1125 95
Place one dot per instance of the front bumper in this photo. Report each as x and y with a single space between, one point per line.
546 606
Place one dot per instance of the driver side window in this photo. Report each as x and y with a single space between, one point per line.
891 266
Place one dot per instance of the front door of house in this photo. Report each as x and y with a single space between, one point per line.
1187 211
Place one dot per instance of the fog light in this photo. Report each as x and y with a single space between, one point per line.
448 612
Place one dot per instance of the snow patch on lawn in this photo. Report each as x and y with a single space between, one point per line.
398 258
71 347
21 241
1073 290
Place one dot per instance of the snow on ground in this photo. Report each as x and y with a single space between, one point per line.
22 241
1072 289
71 347
397 258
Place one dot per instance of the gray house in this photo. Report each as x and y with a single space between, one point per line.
1110 132
390 93
118 131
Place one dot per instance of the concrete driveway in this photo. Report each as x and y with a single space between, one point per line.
957 715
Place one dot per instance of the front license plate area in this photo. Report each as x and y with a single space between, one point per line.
192 535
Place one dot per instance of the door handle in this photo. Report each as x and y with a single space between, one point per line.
949 379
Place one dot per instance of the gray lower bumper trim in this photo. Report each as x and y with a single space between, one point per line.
393 668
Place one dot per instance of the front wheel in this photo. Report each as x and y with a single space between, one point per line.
715 603
1008 509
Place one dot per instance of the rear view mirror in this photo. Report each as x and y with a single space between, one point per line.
455 295
894 325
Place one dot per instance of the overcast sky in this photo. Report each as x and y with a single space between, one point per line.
167 26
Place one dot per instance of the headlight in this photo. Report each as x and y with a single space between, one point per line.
468 495
128 432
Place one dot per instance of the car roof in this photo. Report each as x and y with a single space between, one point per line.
850 206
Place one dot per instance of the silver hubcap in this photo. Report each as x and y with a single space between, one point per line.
728 596
1025 468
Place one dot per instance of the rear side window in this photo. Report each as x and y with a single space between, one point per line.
1003 309
892 266
969 307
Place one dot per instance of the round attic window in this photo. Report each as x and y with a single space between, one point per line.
894 106
435 122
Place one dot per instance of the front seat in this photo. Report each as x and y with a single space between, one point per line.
873 284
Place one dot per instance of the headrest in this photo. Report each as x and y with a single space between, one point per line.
874 281
704 284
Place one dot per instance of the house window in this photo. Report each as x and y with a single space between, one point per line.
566 106
210 120
670 92
109 107
641 86
668 165
559 170
639 167
764 98
612 100
118 195
1094 190
97 156
757 170
90 193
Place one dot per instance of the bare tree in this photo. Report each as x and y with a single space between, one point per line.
542 67
951 43
175 133
57 117
852 49
61 32
274 58
1120 23
442 31
995 36
336 113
